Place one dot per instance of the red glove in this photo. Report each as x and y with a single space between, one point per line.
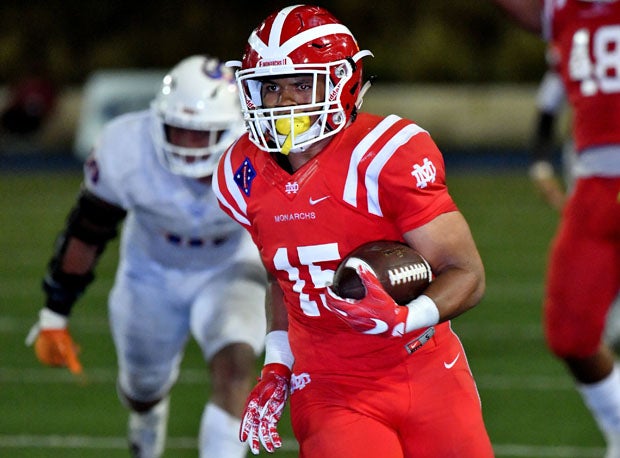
53 345
376 313
264 408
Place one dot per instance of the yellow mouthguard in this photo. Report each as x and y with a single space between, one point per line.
283 126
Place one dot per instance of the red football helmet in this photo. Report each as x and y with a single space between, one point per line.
300 40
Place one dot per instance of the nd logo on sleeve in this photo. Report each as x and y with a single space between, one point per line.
424 174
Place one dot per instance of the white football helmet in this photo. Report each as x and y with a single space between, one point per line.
199 93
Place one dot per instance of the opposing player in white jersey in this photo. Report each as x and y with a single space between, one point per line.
184 267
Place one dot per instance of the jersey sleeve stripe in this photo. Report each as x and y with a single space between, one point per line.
350 187
371 180
234 192
310 35
275 49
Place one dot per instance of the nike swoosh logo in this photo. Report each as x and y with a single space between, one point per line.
380 327
451 364
316 201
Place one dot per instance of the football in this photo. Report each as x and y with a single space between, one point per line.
402 271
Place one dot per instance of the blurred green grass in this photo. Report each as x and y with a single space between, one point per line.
529 404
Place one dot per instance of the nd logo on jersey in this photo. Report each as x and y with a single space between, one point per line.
291 187
424 174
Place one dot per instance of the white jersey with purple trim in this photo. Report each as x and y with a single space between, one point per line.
172 220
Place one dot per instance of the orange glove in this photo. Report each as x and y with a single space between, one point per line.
53 345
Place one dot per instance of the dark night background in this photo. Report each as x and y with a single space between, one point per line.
413 41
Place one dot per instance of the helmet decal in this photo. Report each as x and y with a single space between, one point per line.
276 53
212 68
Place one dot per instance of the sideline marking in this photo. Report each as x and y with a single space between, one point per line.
288 444
190 376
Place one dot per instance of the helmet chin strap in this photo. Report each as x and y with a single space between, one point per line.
360 97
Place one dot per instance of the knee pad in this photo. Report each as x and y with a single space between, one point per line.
143 387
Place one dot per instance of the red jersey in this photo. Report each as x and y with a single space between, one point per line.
586 36
377 179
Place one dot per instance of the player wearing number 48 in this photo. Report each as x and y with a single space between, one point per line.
584 266
313 179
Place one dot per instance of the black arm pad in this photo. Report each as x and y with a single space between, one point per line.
92 221
543 145
64 290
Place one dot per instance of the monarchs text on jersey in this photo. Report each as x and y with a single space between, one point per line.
377 179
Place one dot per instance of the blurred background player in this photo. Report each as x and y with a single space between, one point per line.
584 267
550 101
31 99
554 186
314 179
184 266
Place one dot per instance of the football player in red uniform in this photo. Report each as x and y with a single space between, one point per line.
311 180
584 267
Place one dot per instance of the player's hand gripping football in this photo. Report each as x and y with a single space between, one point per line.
264 408
53 345
376 313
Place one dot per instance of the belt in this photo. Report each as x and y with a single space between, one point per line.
414 345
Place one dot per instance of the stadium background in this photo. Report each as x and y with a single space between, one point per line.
458 68
420 40
482 64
